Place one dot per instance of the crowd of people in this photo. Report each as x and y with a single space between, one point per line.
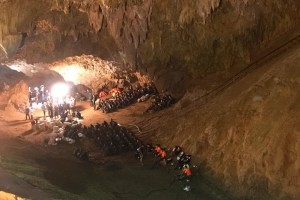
58 111
38 94
176 157
111 138
58 108
160 102
114 139
124 98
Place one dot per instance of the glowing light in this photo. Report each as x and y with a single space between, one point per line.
9 196
71 73
60 90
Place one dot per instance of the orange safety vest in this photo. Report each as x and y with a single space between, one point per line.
157 149
163 154
102 94
187 172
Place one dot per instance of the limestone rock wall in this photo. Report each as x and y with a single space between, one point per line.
13 90
179 41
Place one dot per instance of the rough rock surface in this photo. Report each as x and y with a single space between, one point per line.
179 41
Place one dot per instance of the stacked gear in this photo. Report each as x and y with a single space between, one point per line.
161 103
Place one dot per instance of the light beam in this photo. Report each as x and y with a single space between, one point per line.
60 90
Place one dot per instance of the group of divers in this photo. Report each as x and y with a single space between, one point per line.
113 139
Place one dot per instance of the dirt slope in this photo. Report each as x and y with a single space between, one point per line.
248 136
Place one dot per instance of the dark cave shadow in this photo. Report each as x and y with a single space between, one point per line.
78 107
38 132
17 122
46 131
69 176
28 132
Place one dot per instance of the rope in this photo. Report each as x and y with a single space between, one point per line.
249 68
138 128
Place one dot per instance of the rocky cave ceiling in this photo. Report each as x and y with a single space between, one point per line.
175 42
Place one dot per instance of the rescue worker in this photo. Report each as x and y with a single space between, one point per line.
91 97
50 110
162 154
94 99
186 170
186 175
27 111
140 153
31 111
157 149
44 107
176 150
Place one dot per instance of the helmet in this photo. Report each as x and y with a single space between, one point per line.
186 166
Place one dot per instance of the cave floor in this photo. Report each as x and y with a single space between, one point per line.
32 170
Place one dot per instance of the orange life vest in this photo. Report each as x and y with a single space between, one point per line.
114 91
102 94
187 172
163 154
157 149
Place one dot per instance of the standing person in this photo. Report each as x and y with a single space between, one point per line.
27 111
50 110
94 99
44 107
91 97
31 110
56 111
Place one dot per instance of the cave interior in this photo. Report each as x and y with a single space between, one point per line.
224 86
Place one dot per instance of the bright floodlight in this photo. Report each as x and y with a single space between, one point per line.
60 90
